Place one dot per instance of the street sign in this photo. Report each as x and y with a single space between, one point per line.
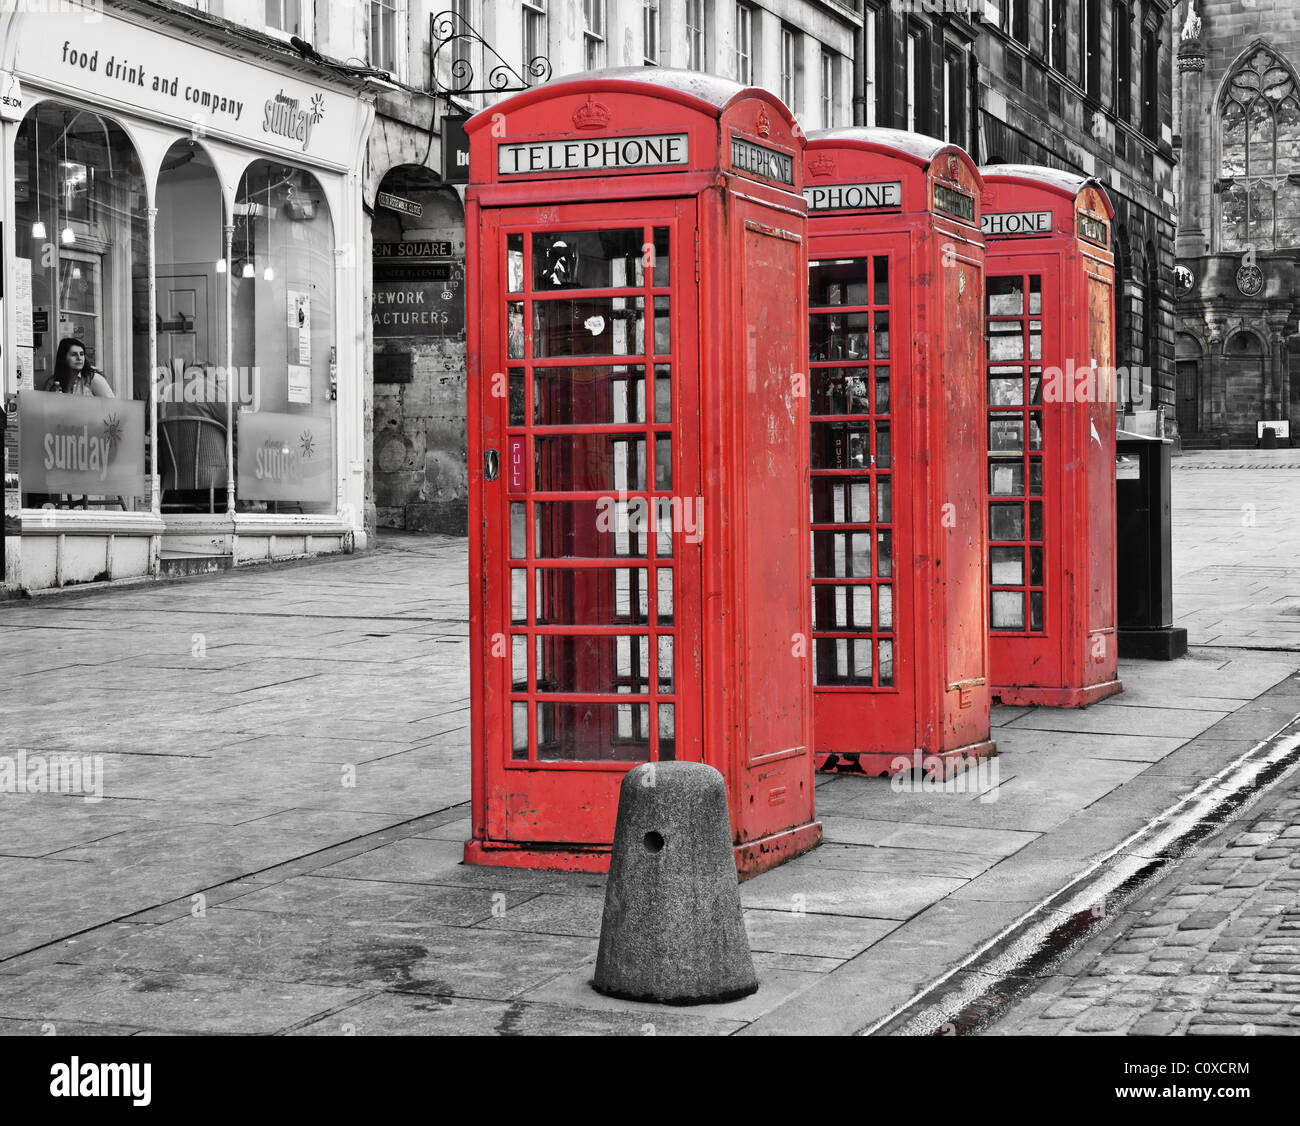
397 203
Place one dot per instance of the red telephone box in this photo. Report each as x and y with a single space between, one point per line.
900 627
1050 355
638 488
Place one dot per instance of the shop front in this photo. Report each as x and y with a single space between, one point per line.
182 342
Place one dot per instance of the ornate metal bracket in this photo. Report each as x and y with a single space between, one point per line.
450 29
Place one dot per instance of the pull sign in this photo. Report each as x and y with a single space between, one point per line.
515 452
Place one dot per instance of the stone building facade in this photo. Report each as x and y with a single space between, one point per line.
1237 347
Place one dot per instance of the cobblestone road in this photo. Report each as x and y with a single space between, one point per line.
1213 949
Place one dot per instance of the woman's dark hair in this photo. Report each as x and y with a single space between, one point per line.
63 373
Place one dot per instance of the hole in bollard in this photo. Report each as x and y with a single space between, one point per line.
653 842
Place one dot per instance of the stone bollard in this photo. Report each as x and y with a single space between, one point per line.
672 931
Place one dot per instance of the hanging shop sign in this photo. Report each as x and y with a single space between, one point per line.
419 290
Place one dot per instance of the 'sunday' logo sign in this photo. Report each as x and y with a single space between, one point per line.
657 150
855 197
757 160
285 456
80 444
1001 224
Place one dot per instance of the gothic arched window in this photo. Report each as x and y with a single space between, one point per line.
1259 169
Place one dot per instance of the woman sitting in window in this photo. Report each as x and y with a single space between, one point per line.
73 374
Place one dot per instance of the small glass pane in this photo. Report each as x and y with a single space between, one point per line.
841 555
515 324
838 445
1035 340
663 463
1006 340
1036 611
514 263
883 507
1006 522
519 732
602 528
661 260
1036 566
590 463
837 336
881 294
667 734
881 351
518 406
882 390
1007 478
519 663
886 663
1006 435
884 555
841 281
1035 294
663 393
518 531
1035 430
590 326
588 396
588 259
604 663
885 596
1036 476
518 597
1007 609
1006 566
665 595
663 326
1005 297
1007 391
882 445
1036 520
590 732
665 663
592 596
839 391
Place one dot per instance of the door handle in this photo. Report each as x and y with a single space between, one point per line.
491 465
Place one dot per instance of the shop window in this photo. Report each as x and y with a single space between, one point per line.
80 260
282 300
1259 114
194 386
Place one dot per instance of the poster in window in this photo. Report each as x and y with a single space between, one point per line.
299 320
299 383
24 353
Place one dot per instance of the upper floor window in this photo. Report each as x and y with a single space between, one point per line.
917 81
593 35
954 96
534 15
830 87
1122 65
1151 80
289 16
745 44
1090 47
697 44
790 66
1056 33
386 34
650 32
1259 118
1019 20
869 92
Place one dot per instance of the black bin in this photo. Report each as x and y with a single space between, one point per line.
1144 558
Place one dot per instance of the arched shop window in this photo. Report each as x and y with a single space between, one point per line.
1259 113
282 302
80 205
189 273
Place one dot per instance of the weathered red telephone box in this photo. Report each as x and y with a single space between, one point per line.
900 625
638 479
1050 356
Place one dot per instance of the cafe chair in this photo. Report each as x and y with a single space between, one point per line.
193 455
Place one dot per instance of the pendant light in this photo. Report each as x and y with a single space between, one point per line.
67 236
247 271
38 228
269 273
